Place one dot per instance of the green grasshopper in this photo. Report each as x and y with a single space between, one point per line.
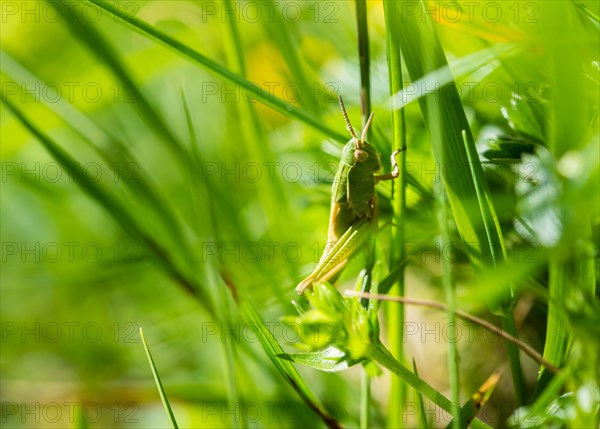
353 204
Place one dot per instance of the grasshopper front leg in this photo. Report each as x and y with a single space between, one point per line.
395 173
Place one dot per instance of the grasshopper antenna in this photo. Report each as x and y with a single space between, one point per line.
348 124
366 128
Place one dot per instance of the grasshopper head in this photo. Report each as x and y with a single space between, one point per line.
361 153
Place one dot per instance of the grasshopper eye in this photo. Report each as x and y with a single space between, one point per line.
360 155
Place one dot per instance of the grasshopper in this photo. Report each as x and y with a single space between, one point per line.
353 211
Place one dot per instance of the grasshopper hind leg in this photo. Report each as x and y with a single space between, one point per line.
335 260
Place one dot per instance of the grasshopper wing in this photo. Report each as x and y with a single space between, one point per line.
361 192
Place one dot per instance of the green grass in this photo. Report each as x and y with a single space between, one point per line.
506 229
159 386
396 314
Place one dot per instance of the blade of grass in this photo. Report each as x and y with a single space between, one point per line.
509 325
365 109
272 348
365 398
229 363
552 389
327 360
472 407
197 159
422 417
450 292
363 59
159 385
396 313
383 357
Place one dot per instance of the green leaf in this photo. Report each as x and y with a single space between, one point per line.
327 360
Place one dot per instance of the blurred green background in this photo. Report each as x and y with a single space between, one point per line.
189 174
